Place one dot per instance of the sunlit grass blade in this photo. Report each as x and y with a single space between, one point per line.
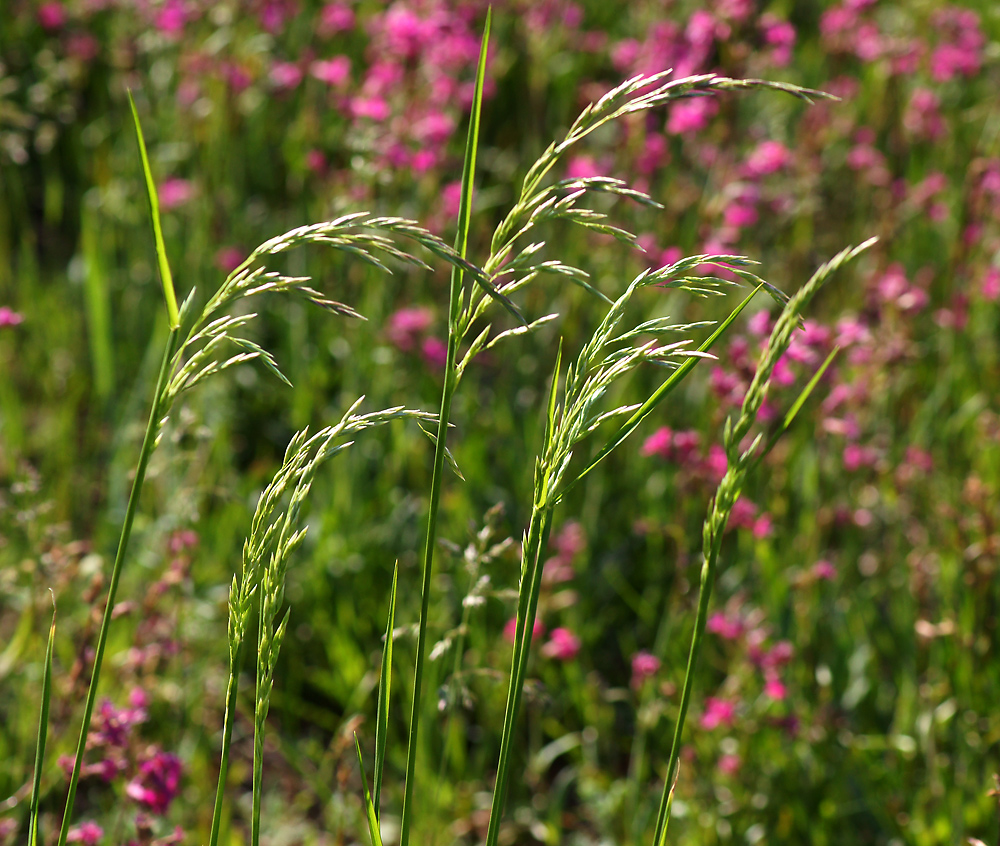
166 278
455 306
384 689
371 814
43 730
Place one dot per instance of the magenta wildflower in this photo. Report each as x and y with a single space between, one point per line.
89 833
767 157
729 764
775 689
406 325
285 76
434 351
171 18
688 116
823 570
52 16
9 317
728 627
158 782
718 712
563 645
335 71
658 443
335 17
372 108
175 192
571 540
989 288
644 665
779 35
581 167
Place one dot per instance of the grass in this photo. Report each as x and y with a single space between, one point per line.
790 701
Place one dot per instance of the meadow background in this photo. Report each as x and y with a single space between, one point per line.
849 688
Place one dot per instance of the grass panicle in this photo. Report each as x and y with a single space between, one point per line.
741 459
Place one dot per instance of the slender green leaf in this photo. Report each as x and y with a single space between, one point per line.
43 730
154 215
370 811
384 689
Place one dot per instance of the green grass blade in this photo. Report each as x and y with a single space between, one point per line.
669 384
43 730
455 305
370 812
154 215
469 174
384 688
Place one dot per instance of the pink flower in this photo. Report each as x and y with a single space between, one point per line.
644 665
718 712
780 36
716 463
171 18
824 570
335 71
51 16
510 629
406 324
740 215
563 645
691 115
923 115
658 443
768 157
372 108
989 288
730 628
775 689
158 782
285 76
729 764
9 317
581 167
89 833
175 192
434 351
335 17
227 259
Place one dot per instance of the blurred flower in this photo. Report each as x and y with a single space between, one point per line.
406 324
571 540
88 833
716 463
372 108
729 764
335 71
158 782
51 15
717 712
923 115
335 17
434 351
767 157
775 689
658 443
855 457
175 192
581 167
227 259
692 115
779 35
824 570
171 18
9 317
644 665
989 288
730 628
563 645
285 76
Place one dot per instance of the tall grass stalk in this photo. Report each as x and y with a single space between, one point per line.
43 730
194 351
741 459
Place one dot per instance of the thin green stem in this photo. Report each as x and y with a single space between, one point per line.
447 393
704 597
227 739
531 579
148 444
